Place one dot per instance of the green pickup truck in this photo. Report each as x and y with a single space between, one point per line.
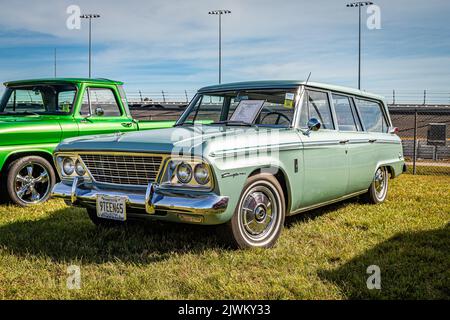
36 115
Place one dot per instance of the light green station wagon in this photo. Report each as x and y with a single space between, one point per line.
244 155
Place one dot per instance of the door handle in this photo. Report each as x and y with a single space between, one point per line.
126 124
344 141
372 140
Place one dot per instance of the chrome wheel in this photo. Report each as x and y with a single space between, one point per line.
259 213
32 183
380 183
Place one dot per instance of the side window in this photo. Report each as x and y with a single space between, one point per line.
316 106
345 114
372 115
104 98
85 110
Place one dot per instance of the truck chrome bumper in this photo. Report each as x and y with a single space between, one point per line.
154 199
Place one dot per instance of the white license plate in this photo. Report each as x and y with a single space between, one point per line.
113 208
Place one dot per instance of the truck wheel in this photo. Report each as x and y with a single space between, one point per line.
100 222
379 188
30 180
259 215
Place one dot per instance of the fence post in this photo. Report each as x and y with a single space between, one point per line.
185 93
393 96
164 97
424 97
140 94
415 141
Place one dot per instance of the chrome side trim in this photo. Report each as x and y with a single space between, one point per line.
279 147
318 205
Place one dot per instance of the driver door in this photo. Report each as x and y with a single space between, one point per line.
101 112
324 155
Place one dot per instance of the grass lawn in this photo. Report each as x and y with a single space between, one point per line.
323 254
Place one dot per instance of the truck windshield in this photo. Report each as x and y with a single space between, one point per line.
273 107
38 99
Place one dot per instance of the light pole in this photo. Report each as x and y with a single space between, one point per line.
54 62
220 13
359 5
90 17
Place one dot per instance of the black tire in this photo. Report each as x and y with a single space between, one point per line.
378 189
101 222
29 187
242 233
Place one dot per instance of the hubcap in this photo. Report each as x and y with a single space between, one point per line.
32 183
380 183
259 211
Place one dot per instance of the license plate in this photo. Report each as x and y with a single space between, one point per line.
113 208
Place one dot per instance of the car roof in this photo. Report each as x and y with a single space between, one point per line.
62 80
286 84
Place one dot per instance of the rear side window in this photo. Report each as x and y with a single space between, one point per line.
316 106
104 98
346 117
372 115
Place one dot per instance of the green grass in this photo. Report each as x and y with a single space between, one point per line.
323 254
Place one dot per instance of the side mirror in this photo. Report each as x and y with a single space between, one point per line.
99 111
313 124
393 130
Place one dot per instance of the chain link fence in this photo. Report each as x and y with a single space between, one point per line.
425 134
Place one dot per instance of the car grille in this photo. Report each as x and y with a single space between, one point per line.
123 169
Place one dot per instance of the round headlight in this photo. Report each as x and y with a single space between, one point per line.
79 169
184 172
68 166
201 174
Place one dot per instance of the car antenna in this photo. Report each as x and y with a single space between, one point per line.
307 79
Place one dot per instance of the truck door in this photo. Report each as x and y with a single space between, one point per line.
102 112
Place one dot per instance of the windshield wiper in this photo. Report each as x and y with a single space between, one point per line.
233 123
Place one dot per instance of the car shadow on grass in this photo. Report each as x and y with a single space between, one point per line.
68 235
306 216
413 265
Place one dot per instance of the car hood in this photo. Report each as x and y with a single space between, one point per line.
196 140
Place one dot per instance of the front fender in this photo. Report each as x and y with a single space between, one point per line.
232 173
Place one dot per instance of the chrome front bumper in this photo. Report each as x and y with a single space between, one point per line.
151 201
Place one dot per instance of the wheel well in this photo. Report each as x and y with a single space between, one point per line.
282 180
390 171
13 157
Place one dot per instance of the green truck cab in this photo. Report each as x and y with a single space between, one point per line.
36 115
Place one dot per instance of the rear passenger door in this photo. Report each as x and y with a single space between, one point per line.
360 157
101 112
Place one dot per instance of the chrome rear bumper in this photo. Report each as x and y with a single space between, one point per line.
152 200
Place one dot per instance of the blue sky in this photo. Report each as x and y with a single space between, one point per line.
172 45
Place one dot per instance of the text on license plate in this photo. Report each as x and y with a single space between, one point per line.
113 208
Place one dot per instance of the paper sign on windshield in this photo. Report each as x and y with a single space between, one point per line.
289 100
247 110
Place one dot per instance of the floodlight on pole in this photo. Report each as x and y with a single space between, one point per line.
220 13
90 17
359 5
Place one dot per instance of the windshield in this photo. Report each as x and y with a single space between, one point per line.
245 107
38 99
